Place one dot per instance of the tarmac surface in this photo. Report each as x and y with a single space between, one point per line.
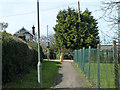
68 77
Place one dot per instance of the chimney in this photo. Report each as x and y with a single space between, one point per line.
33 30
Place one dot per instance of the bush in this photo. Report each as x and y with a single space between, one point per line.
58 56
68 55
17 57
52 54
34 45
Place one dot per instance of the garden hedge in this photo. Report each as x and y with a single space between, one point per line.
18 57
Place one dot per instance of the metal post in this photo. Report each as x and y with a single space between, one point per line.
89 62
115 59
83 58
47 48
98 66
0 56
39 66
77 57
74 55
48 54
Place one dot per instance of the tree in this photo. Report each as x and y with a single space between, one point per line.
70 33
52 49
109 8
111 14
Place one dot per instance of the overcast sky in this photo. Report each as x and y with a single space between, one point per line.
22 13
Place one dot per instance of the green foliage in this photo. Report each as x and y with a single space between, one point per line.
34 45
52 53
58 56
17 57
49 73
70 33
52 49
68 55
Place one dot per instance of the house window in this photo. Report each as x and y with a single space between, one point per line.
27 37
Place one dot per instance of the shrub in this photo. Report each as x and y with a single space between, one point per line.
68 55
18 57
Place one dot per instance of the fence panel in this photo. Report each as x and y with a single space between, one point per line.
93 66
98 66
106 69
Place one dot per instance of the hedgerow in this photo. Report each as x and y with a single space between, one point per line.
18 57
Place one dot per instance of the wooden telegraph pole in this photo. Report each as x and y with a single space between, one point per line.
78 10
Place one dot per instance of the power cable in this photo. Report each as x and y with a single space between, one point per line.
32 12
18 14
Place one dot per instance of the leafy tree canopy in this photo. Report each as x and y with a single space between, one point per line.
72 33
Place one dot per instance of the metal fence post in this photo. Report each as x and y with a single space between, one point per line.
115 59
77 57
89 62
83 57
74 55
98 65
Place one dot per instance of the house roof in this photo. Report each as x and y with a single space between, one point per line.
108 46
23 30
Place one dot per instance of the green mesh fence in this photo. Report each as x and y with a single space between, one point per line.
98 66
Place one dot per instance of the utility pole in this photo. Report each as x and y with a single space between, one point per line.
47 32
78 10
39 66
79 22
48 46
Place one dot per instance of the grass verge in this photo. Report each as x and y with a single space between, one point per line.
49 73
80 71
106 72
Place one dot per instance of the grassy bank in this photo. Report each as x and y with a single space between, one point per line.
49 72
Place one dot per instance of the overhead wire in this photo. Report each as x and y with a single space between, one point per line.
109 36
18 14
32 12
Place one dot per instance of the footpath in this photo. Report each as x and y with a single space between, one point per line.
68 77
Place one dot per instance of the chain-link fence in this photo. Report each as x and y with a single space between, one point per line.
101 67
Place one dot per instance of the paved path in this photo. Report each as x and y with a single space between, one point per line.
68 77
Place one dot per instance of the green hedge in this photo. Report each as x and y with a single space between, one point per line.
18 57
66 55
